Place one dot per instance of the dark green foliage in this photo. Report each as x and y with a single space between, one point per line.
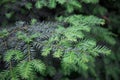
74 43
67 43
13 54
11 9
3 33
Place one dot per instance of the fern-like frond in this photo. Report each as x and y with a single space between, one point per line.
79 20
103 34
25 37
5 75
25 69
46 50
90 1
3 33
104 50
58 53
13 54
38 65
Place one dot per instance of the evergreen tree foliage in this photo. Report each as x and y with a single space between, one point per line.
72 44
67 43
